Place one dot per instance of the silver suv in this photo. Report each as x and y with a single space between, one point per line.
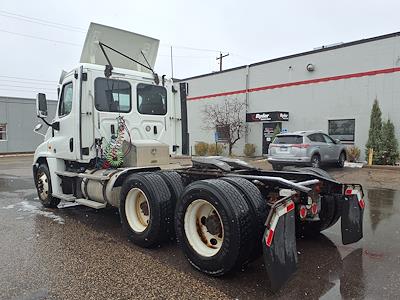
305 148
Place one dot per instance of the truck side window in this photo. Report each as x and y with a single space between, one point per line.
112 95
67 95
151 99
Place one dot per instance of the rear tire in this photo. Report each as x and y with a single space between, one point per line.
146 209
316 161
341 160
258 211
43 187
213 226
174 183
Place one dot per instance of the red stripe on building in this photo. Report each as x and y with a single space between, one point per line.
296 83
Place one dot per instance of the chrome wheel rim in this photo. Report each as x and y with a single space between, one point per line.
43 185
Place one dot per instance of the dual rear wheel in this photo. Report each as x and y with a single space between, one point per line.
218 223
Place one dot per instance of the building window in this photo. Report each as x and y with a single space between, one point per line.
112 95
222 133
3 132
151 99
342 129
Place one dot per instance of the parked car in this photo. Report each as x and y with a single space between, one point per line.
311 148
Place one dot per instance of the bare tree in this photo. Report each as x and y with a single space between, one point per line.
227 119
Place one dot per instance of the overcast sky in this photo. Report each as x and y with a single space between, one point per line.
40 38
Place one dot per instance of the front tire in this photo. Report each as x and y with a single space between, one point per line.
43 187
213 226
146 209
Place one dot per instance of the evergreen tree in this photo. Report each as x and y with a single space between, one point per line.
375 134
390 151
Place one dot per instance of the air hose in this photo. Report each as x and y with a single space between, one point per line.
113 153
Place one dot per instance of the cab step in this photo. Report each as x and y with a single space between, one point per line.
90 203
65 197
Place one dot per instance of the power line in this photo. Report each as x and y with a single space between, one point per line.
24 82
25 78
27 87
40 38
41 21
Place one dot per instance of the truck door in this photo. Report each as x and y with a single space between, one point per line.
64 142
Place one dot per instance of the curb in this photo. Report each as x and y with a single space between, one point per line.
16 155
384 167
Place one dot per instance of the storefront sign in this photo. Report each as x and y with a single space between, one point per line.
272 116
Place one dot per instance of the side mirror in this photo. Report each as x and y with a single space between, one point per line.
37 128
41 105
337 141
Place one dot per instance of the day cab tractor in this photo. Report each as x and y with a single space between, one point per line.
110 143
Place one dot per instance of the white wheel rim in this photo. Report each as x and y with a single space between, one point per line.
43 186
137 210
204 242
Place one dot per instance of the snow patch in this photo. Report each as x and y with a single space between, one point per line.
25 206
8 206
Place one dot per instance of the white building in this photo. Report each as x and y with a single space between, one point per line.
330 89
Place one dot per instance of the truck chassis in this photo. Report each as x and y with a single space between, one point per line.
223 212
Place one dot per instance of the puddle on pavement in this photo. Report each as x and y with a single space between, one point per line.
382 204
11 184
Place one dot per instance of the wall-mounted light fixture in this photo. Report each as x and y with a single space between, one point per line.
310 67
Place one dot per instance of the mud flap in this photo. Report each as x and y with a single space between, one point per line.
352 216
279 246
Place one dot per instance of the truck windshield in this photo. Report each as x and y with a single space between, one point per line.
288 139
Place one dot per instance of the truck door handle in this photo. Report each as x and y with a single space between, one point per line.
155 129
71 144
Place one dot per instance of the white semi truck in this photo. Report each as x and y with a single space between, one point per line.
116 125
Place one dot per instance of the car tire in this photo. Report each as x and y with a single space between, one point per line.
316 161
228 223
43 187
277 167
146 209
258 210
341 159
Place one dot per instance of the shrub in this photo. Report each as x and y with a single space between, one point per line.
353 153
201 148
249 150
390 146
375 134
215 149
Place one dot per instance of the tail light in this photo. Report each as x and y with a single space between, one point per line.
302 211
301 146
314 208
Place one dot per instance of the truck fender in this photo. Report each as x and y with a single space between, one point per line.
115 182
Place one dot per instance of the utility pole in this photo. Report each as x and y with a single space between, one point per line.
220 59
172 65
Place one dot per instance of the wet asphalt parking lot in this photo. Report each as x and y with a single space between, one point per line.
80 253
